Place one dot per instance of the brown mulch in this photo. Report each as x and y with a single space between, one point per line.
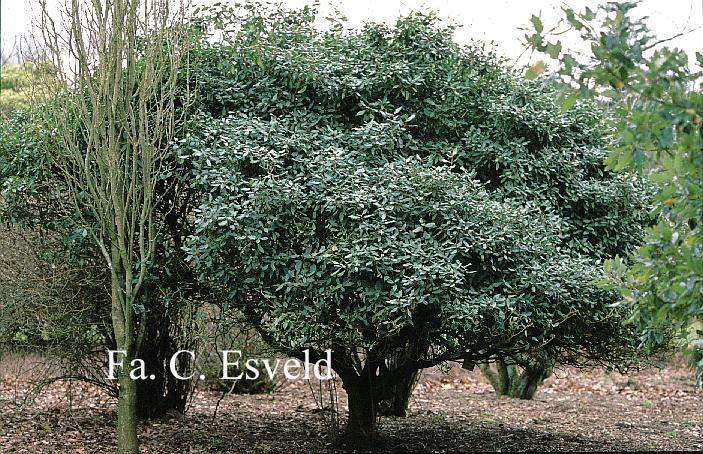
654 410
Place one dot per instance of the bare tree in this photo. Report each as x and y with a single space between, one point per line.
115 68
9 55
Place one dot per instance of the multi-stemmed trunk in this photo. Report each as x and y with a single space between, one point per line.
403 388
366 389
509 380
398 404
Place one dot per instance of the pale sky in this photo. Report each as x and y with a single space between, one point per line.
495 21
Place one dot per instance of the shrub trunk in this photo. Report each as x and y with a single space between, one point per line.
510 380
361 423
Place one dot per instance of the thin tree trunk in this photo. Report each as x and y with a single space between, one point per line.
123 326
127 442
505 377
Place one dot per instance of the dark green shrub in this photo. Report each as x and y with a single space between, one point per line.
375 189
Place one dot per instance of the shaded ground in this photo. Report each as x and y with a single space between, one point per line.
574 411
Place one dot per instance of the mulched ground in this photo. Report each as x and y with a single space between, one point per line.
655 410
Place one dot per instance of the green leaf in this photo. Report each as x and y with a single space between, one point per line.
554 49
568 102
537 24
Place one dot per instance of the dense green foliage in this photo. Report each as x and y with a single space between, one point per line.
369 189
654 95
23 166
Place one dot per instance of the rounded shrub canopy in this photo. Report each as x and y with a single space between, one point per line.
366 188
